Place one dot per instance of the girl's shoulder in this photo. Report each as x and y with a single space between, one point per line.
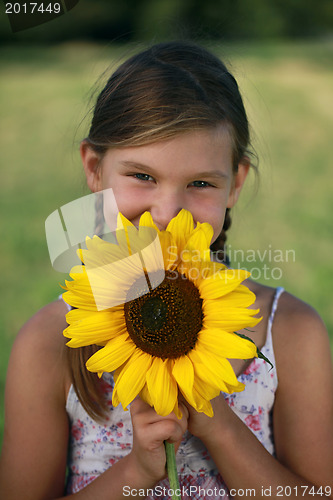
301 336
39 348
44 329
298 332
291 314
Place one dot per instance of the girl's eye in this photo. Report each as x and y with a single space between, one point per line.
143 177
201 184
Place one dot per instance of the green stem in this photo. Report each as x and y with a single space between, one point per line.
172 469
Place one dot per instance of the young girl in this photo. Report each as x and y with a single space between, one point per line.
169 131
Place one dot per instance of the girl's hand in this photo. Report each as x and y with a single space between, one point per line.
207 428
150 430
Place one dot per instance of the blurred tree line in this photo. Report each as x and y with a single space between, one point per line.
129 20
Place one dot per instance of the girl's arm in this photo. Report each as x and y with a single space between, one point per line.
33 460
303 418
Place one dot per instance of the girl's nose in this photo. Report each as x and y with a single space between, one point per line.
166 208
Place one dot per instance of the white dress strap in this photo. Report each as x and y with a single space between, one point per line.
268 348
277 295
67 305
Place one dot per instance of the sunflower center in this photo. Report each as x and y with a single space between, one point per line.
154 313
166 321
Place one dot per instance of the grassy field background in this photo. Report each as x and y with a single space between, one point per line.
287 224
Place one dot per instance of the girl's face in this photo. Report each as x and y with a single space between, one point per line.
192 171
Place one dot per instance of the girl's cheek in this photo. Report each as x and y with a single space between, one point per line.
130 204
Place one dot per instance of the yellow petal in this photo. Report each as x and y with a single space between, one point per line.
131 378
226 344
200 240
140 239
96 328
162 386
77 271
204 372
177 410
204 389
110 357
103 251
152 256
198 270
184 375
215 371
227 318
110 283
145 395
76 315
181 227
241 297
146 220
204 405
222 283
169 249
102 287
122 232
80 299
122 222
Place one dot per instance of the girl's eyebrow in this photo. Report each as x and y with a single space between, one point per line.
217 174
136 165
208 173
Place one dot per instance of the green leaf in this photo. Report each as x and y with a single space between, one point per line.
259 353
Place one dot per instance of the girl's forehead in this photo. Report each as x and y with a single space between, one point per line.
205 143
198 154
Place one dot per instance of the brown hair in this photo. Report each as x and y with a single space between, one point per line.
168 89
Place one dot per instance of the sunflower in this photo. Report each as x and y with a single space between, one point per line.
163 313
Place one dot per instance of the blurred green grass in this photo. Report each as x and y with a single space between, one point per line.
287 88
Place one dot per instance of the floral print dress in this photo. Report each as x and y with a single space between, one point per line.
94 447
